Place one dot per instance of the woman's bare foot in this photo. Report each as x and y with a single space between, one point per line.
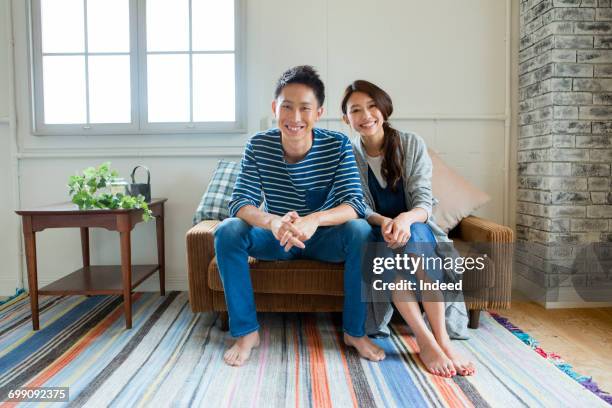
461 364
365 347
434 359
240 351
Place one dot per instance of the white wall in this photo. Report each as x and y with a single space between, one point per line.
9 238
444 63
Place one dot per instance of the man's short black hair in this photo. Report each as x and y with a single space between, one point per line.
305 75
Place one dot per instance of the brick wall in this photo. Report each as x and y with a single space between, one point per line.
565 138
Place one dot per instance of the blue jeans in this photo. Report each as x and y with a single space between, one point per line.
235 241
421 242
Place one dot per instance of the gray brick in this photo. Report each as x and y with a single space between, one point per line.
601 197
532 26
536 115
538 48
604 14
560 55
533 156
536 142
571 197
568 126
573 41
566 3
564 69
536 129
594 141
565 211
599 211
595 112
535 63
537 75
595 85
536 89
534 169
582 225
557 27
562 169
604 98
593 28
572 98
590 170
573 14
603 70
560 225
534 209
603 3
534 222
598 56
561 84
571 155
601 155
588 3
563 141
534 183
602 127
536 196
565 112
599 184
602 41
568 183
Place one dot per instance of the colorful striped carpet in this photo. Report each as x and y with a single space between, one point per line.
173 357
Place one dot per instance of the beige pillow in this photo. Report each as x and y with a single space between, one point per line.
457 197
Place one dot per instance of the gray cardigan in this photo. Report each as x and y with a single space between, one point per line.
417 189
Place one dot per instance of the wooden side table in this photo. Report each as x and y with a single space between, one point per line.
96 279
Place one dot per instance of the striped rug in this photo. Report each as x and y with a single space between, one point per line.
173 357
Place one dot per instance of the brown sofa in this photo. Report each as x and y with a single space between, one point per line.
313 286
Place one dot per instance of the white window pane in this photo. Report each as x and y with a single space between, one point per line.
108 25
167 25
62 26
213 88
213 25
168 88
109 89
64 89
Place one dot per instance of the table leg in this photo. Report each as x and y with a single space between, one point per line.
29 237
126 271
85 245
161 251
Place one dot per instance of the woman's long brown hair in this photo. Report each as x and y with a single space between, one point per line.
393 156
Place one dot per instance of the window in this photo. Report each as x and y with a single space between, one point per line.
136 66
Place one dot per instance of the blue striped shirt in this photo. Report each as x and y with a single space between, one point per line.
325 178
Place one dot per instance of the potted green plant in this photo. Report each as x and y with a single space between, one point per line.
89 191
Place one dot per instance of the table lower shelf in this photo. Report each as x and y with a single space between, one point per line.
97 280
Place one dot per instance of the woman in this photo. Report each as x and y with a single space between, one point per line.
396 176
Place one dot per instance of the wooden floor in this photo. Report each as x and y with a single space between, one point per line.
582 337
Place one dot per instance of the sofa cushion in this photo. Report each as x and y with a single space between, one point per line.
300 276
215 201
304 276
457 198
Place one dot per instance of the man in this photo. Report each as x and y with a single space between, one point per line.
309 182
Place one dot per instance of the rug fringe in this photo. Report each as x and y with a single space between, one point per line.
586 381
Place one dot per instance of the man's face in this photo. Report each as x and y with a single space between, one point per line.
296 109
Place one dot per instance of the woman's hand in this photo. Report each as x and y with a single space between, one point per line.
396 231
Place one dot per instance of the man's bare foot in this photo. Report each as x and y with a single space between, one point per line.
434 359
240 351
365 347
461 364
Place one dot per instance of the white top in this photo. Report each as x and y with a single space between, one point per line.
375 164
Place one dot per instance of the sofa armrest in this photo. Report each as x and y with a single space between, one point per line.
496 240
200 251
476 229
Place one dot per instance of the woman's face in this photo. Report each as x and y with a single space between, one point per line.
363 115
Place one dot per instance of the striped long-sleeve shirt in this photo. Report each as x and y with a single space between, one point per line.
325 178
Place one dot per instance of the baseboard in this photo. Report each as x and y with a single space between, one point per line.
564 297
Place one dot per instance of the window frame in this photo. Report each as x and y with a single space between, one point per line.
138 79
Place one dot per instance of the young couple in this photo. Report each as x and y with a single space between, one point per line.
312 183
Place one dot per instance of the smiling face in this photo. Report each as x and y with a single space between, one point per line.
296 109
363 115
